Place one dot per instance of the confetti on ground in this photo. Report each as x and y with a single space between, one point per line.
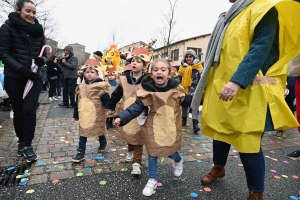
294 197
99 170
10 168
272 151
106 160
41 163
241 165
162 159
193 194
99 157
88 169
193 145
55 162
206 189
190 150
272 170
22 183
122 154
154 191
286 162
61 167
199 161
267 156
159 184
122 160
284 176
124 148
198 154
143 156
277 177
295 177
1 157
102 182
79 174
112 149
55 181
29 191
61 159
124 169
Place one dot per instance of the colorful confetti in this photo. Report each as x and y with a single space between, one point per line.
193 194
55 181
79 174
29 191
159 184
102 182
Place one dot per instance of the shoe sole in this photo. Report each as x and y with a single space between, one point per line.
293 158
150 194
128 160
101 151
136 173
77 161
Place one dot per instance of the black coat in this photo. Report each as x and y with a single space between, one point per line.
53 69
18 48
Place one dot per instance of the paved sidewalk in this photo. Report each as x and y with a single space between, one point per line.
56 140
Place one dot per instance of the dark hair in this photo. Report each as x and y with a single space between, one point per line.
52 58
137 57
20 4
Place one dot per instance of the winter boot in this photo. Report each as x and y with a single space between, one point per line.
255 196
102 147
195 126
184 121
216 172
29 154
79 156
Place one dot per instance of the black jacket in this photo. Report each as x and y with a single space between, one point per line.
117 95
18 48
52 69
104 99
135 109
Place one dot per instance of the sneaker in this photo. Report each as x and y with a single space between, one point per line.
190 115
79 156
63 105
58 97
294 154
150 187
11 114
50 99
20 150
136 169
178 169
53 98
102 147
281 134
129 157
29 154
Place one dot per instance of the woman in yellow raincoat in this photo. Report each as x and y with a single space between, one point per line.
246 69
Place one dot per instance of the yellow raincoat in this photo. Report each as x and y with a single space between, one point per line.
241 122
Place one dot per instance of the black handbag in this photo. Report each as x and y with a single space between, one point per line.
53 78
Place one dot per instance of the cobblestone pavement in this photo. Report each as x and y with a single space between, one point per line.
56 140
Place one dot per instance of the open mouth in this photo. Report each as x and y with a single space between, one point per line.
159 78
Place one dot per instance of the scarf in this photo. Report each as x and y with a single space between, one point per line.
215 45
35 29
186 73
113 83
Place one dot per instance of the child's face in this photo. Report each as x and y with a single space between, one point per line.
160 73
91 74
189 59
108 61
137 65
111 77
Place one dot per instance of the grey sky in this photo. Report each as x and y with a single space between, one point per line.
90 22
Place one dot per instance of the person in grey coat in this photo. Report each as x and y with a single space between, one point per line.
69 65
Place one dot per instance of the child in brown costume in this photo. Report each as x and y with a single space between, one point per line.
89 109
162 96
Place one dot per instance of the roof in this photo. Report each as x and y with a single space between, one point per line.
187 39
77 44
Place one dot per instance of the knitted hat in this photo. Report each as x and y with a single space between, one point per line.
69 48
189 52
98 53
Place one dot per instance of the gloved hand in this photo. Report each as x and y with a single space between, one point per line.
28 73
39 61
196 61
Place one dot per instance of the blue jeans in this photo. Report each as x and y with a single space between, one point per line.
82 141
58 87
152 161
254 165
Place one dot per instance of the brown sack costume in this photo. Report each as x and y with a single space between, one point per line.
92 114
162 131
131 132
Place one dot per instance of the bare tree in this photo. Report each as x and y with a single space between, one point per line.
166 34
44 16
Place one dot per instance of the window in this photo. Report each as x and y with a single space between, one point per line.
176 55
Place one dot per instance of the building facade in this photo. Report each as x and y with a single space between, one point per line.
128 48
176 50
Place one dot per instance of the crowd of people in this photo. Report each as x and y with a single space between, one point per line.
150 102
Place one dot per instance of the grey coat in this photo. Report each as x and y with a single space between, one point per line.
70 68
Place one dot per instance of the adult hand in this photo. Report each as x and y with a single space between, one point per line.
28 73
39 61
117 122
109 112
63 60
229 91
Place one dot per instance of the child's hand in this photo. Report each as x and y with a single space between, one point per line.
117 122
109 112
76 119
